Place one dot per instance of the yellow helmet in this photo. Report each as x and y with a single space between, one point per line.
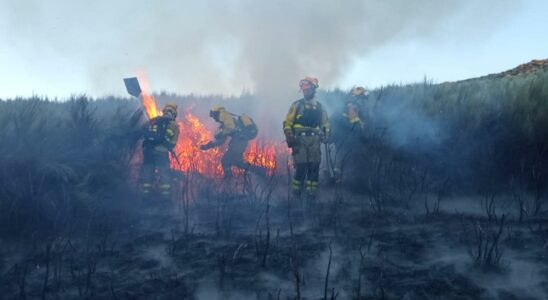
217 108
215 111
359 91
308 80
170 110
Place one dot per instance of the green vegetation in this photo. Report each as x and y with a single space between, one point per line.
481 135
61 160
72 229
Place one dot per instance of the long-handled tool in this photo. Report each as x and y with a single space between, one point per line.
134 89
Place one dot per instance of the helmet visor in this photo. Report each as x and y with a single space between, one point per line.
214 114
170 112
305 85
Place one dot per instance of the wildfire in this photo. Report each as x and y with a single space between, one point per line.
150 104
193 133
261 153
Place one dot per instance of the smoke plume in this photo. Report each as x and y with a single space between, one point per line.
229 46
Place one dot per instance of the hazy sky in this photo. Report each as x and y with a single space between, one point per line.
58 48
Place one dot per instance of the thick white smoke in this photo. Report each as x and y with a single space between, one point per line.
227 46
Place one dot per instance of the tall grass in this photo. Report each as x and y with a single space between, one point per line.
480 134
60 160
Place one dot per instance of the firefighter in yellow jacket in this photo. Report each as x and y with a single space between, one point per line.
306 127
240 130
160 137
347 127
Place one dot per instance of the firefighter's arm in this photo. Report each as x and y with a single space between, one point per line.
227 128
288 125
290 119
172 135
219 140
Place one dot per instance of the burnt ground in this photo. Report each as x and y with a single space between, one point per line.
228 244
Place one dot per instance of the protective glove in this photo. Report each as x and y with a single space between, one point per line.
219 135
291 142
290 139
206 146
289 136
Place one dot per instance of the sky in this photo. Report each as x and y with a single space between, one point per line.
58 48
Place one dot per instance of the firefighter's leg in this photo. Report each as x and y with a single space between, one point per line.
338 162
298 179
236 151
257 170
226 162
343 158
147 175
313 166
313 174
299 161
234 155
165 178
353 166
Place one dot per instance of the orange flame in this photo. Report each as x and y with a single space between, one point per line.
150 104
262 153
193 133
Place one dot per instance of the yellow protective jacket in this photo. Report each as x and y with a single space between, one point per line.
169 138
172 135
305 115
227 127
352 116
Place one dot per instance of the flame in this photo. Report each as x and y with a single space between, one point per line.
193 133
152 110
150 104
262 153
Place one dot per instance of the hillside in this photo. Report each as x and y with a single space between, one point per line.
446 198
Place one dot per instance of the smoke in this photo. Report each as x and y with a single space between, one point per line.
408 127
209 291
229 46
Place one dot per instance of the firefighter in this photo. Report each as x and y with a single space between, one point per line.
240 130
347 130
306 127
160 137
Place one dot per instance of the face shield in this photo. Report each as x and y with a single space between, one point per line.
170 113
308 88
214 114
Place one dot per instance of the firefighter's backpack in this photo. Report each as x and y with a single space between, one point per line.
247 129
155 131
